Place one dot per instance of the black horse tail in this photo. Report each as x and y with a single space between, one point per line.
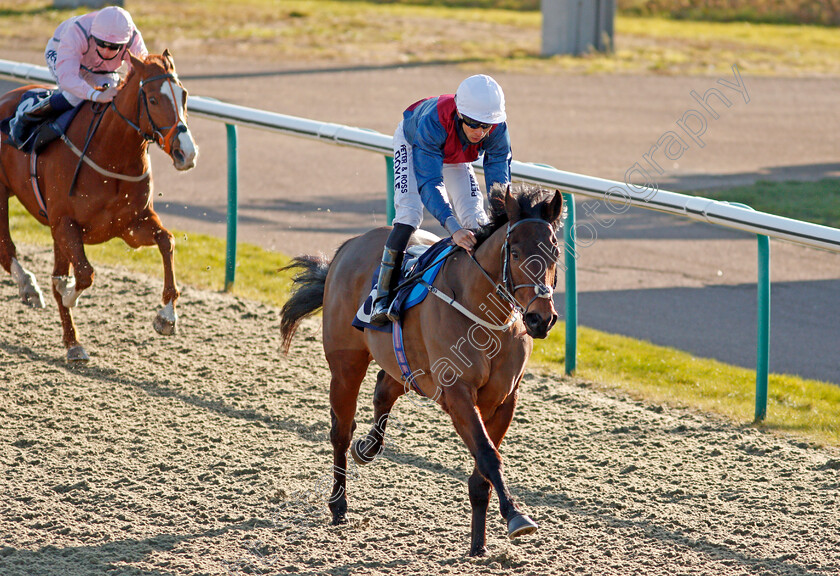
307 294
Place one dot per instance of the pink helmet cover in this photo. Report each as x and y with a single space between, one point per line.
112 24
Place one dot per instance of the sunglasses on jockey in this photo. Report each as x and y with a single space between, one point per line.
475 124
107 45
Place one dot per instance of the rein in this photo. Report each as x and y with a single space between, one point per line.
540 290
418 277
505 288
94 126
157 136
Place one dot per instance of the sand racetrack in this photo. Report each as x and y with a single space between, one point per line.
206 453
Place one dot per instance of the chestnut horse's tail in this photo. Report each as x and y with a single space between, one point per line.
307 294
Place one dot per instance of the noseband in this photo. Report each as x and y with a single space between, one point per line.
505 288
157 135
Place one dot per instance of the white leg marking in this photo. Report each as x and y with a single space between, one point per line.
28 289
66 286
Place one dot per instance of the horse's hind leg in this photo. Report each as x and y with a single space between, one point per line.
348 368
148 231
387 391
28 289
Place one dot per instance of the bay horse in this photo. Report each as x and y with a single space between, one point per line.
467 348
96 185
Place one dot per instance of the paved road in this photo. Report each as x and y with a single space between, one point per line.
647 275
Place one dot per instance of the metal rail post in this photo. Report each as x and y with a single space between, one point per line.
571 284
233 207
390 211
762 355
762 368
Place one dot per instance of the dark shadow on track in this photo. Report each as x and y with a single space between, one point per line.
720 322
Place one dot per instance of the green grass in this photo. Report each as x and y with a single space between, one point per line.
805 408
817 202
199 259
761 11
496 33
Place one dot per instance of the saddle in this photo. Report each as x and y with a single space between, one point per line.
420 268
38 135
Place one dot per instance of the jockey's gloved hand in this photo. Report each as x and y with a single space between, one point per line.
105 95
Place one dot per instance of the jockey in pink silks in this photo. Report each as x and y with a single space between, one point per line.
434 147
84 57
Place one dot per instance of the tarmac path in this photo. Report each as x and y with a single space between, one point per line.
670 281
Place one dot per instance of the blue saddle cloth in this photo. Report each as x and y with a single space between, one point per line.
411 294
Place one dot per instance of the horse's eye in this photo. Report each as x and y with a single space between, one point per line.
514 254
152 100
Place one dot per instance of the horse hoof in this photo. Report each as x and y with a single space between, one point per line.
479 552
339 519
164 326
77 354
33 299
358 454
520 526
166 320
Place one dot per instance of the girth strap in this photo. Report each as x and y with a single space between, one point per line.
36 190
402 360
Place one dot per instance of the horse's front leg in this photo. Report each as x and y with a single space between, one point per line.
459 403
479 488
68 249
148 231
386 393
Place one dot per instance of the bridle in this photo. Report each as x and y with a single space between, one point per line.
505 288
157 135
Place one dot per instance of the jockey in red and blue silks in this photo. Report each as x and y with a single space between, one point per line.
84 57
434 146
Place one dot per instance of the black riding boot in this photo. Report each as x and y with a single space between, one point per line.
379 315
391 259
43 110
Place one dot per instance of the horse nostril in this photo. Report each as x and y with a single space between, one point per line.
532 320
552 322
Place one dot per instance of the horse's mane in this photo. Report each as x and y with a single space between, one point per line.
532 202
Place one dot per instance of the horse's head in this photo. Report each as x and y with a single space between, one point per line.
162 108
530 254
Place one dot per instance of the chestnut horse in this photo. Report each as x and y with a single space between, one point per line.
96 189
467 347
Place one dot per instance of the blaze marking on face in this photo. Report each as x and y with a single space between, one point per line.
174 92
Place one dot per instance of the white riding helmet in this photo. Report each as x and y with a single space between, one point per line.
112 24
481 98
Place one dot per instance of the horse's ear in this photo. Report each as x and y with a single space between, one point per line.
136 62
167 55
553 210
511 205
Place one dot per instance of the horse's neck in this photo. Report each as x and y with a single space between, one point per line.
120 133
468 283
